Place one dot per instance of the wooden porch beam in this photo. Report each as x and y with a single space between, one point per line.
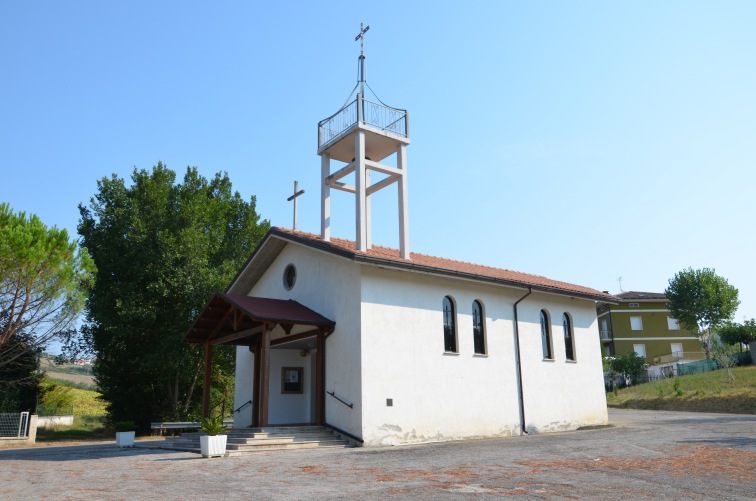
295 337
264 377
220 323
320 380
237 335
206 380
256 387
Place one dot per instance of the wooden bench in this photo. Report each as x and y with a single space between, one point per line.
159 428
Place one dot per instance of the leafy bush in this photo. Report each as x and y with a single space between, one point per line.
630 366
125 426
55 396
678 391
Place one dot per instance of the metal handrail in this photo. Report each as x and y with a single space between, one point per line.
345 433
361 110
333 394
249 402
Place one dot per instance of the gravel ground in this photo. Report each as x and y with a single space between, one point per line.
644 454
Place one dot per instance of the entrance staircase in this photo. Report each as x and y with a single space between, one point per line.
270 438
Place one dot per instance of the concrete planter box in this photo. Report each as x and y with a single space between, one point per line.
213 445
125 438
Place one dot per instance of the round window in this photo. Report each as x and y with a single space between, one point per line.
290 277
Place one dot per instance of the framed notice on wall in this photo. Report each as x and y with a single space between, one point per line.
291 380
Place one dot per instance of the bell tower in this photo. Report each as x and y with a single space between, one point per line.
360 135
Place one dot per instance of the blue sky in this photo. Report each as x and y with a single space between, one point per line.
583 141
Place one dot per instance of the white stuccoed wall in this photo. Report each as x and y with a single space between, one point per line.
561 395
437 396
243 389
289 408
331 286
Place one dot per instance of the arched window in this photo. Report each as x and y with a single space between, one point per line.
450 327
546 335
479 335
569 342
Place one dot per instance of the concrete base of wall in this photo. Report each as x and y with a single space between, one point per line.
45 421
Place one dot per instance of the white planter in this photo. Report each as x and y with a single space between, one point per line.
213 445
125 438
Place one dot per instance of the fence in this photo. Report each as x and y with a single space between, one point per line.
674 370
14 424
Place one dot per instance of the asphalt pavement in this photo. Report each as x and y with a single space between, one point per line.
641 455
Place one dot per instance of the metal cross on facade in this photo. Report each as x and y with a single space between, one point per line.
294 197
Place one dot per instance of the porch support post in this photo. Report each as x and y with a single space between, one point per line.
206 380
320 380
264 376
256 387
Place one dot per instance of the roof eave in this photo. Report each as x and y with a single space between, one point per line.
408 265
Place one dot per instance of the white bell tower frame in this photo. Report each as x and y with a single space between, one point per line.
361 135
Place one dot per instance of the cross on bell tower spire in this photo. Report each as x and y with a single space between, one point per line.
361 38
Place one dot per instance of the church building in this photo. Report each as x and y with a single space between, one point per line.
391 347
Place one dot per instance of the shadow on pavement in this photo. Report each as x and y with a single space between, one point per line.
739 442
89 452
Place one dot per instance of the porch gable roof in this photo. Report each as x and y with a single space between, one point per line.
239 320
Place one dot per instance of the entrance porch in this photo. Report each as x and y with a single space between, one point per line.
276 332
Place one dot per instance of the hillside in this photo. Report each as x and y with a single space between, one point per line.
68 372
705 392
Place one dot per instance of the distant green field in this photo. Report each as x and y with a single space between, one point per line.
80 374
89 420
704 392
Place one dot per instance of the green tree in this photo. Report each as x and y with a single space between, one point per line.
19 381
43 281
630 366
738 334
725 355
163 249
701 301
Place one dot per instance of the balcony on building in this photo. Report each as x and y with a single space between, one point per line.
388 127
680 356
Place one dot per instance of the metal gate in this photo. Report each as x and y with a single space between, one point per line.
14 424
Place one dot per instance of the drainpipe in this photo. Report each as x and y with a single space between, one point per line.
518 365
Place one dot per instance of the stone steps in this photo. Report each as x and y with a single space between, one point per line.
270 438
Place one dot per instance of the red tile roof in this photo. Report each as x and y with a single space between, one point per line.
387 256
214 323
262 308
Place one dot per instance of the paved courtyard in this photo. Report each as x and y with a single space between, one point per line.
644 454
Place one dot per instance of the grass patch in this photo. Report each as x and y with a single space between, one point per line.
89 420
705 392
84 429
